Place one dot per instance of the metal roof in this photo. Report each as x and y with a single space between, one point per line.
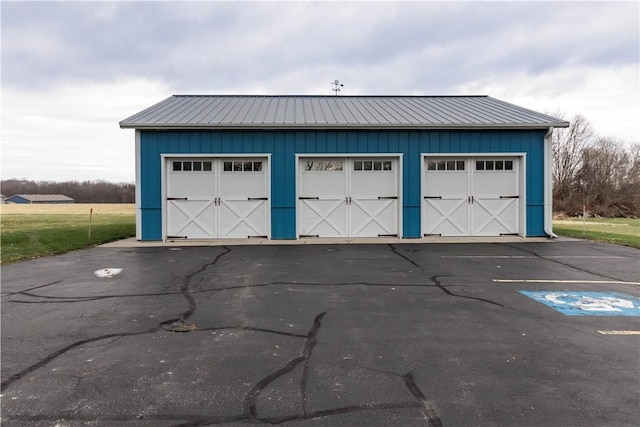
364 112
44 197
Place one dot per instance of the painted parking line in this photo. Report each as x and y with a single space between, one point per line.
580 303
619 332
530 256
597 282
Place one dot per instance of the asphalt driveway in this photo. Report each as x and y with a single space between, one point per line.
324 335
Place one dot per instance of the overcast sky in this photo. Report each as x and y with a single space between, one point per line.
72 70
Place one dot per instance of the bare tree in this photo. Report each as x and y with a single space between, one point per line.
82 192
608 178
568 145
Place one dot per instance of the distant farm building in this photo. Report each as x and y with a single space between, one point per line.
39 199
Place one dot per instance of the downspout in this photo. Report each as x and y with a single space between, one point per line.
138 188
548 184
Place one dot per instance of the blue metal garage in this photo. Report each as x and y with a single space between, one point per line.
288 167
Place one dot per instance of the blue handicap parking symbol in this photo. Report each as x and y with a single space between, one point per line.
576 303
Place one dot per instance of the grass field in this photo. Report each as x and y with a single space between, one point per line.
32 231
622 231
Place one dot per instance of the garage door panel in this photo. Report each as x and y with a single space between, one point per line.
446 197
242 185
326 217
447 217
217 197
348 197
495 216
473 196
447 183
373 217
242 218
495 183
191 218
495 208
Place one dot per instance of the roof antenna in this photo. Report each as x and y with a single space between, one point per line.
337 85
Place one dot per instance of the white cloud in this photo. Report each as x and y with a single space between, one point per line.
72 132
607 97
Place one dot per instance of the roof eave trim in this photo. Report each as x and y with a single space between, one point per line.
305 126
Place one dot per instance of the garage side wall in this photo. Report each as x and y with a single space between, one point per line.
284 145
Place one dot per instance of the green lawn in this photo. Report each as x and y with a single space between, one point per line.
28 236
622 231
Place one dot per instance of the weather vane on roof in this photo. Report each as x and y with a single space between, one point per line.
337 85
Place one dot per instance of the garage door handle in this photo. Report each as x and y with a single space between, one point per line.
387 197
432 197
309 198
509 197
177 198
257 198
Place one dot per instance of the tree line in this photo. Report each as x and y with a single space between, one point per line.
80 191
600 175
597 174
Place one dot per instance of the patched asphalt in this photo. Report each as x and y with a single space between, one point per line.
407 334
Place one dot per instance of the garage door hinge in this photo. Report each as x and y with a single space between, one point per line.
256 237
309 235
257 198
432 235
509 197
509 234
309 198
176 198
176 237
387 235
387 197
432 197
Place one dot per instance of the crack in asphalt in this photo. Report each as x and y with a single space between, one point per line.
187 282
190 420
32 288
430 413
310 343
566 264
438 284
250 411
60 351
253 329
74 299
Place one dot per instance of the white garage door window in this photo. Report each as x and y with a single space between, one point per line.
216 198
471 196
348 197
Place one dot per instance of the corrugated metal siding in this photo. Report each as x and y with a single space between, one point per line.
426 112
283 145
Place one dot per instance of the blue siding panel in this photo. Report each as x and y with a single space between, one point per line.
284 145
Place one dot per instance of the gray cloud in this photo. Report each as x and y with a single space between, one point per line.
199 45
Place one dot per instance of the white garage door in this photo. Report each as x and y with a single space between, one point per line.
217 198
348 197
471 196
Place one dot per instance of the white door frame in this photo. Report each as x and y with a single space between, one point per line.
397 156
522 185
163 173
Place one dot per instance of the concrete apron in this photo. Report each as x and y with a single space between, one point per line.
133 243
